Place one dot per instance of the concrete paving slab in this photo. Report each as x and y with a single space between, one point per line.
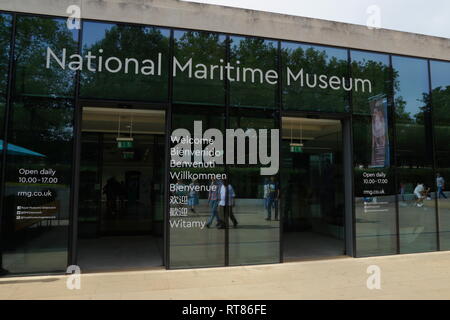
412 276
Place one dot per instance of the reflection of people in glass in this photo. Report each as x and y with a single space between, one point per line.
180 193
379 127
226 202
266 195
180 188
273 192
111 190
213 201
440 183
421 194
402 191
427 193
193 195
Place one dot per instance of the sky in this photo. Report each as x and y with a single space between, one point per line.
430 17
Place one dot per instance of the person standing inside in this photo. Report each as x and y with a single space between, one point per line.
213 201
111 190
226 202
273 193
440 183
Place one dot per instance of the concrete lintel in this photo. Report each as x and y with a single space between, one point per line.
181 14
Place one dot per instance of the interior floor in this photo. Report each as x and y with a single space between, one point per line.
124 252
310 245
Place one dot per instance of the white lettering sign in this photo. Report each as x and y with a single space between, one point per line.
199 71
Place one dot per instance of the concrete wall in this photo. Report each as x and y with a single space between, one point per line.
180 14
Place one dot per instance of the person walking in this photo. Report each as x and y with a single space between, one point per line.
226 204
440 183
273 194
213 201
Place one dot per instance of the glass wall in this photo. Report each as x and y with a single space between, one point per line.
128 62
5 38
195 81
218 215
374 183
256 210
197 236
440 98
256 81
35 222
37 72
417 218
315 78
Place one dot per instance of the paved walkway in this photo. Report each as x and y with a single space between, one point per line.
415 276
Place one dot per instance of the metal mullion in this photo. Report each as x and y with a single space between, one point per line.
352 169
227 173
391 97
432 132
76 151
101 150
352 174
168 118
280 141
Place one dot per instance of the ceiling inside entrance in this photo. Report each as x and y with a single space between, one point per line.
309 129
114 119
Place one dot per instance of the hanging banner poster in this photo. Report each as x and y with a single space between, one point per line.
380 133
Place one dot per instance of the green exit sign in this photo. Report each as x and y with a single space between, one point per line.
296 149
127 155
125 144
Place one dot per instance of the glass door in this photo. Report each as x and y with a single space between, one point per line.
120 219
313 188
